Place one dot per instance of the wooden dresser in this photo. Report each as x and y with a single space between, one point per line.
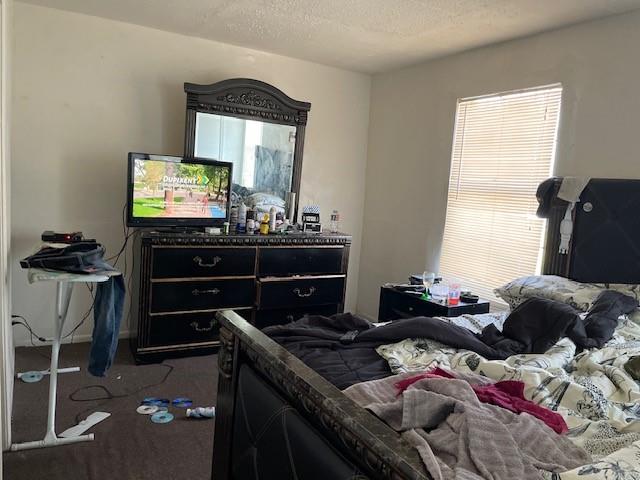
181 279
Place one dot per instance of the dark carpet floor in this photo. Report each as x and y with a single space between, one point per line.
127 445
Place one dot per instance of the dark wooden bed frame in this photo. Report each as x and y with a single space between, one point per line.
369 443
356 434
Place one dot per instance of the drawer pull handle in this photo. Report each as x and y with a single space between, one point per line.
211 291
198 261
302 294
198 328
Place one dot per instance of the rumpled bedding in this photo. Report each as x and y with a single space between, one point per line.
598 399
459 437
508 394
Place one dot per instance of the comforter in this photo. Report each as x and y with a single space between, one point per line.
598 399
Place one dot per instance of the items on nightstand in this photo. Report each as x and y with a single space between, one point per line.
428 279
468 297
406 301
454 293
311 219
418 279
439 291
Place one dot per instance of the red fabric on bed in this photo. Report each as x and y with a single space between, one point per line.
508 394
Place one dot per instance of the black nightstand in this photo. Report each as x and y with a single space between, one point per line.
395 304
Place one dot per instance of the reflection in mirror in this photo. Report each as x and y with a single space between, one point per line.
261 153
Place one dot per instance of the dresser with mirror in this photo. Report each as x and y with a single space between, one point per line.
183 278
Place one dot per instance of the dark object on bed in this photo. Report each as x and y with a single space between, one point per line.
341 348
602 319
534 326
537 324
338 347
331 427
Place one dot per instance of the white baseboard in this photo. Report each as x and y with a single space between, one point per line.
80 338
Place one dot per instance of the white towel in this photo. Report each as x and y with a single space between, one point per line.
571 188
570 191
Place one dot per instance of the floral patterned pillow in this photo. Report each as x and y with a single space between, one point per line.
579 295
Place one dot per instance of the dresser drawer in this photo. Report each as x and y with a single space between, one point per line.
201 295
281 316
300 292
167 330
203 262
300 261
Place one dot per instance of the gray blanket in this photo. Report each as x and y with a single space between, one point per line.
458 437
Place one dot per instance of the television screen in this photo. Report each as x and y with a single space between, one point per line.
172 191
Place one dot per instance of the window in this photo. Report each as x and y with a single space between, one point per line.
503 147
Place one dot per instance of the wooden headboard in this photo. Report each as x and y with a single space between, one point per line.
605 245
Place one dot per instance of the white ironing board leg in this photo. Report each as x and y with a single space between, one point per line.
63 298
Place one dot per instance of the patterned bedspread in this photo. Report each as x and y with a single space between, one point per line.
597 398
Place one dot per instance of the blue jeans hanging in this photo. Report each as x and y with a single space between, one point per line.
107 314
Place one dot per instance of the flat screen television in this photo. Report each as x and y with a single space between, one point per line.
168 191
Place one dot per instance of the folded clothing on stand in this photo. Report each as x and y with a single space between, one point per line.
61 262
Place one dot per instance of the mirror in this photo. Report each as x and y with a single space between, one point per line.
256 127
261 153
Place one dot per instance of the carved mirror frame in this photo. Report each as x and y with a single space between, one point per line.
252 100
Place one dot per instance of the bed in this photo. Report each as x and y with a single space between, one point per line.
278 418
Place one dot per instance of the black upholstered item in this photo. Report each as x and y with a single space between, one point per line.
602 319
605 246
271 440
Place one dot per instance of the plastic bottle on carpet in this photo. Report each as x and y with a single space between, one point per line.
201 412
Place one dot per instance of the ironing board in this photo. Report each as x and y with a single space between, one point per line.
64 288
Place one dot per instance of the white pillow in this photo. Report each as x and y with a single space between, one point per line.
579 295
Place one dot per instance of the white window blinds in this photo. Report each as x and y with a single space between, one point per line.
503 147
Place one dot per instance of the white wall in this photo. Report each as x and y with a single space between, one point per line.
6 340
88 90
411 130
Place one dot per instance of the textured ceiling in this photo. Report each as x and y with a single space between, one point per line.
362 35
